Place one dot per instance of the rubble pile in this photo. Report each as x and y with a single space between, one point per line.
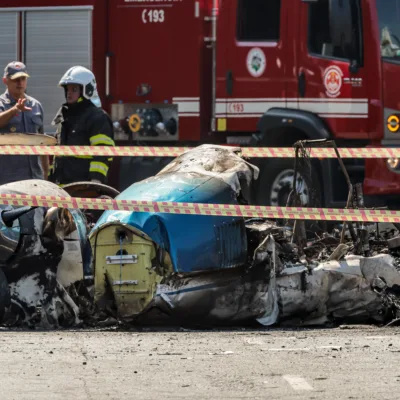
383 238
328 282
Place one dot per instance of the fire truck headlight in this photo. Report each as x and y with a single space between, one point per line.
393 164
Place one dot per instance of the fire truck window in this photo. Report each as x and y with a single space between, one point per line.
389 28
258 20
319 32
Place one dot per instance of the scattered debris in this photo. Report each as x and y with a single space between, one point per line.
78 268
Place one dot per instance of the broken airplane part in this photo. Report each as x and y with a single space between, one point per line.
135 252
43 251
206 269
62 267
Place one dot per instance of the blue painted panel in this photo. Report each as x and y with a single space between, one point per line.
194 242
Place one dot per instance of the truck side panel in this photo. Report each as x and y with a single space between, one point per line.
156 50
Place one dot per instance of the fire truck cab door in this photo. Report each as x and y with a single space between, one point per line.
331 66
252 61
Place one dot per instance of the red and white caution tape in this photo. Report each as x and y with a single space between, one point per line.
327 214
116 151
148 151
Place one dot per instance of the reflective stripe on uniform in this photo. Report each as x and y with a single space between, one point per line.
85 157
97 166
101 139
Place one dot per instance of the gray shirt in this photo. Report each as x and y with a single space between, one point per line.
16 168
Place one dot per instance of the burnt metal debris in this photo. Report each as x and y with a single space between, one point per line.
73 268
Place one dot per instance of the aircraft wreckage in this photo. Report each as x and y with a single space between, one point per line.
64 267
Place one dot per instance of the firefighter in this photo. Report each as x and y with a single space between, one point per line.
82 122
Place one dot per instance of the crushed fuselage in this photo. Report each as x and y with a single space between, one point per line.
187 269
218 269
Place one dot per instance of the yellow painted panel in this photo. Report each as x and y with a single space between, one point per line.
133 284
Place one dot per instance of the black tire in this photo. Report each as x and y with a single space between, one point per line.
278 169
271 172
5 298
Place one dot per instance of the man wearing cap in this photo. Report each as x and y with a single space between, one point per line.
20 113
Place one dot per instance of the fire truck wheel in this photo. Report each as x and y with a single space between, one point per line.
276 183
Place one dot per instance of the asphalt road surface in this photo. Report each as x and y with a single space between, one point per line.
346 363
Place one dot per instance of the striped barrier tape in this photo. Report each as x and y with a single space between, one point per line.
148 151
326 214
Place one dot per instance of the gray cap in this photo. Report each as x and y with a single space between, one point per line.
15 70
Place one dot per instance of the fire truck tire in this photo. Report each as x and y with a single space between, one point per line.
276 183
4 295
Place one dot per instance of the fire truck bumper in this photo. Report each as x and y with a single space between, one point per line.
382 177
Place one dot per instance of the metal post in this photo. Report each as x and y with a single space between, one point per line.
214 63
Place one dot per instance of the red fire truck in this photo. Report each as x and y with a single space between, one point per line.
248 72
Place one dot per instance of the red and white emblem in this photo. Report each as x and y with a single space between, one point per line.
333 81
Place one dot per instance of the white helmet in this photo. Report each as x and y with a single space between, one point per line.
84 77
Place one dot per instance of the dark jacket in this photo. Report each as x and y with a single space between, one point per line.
83 124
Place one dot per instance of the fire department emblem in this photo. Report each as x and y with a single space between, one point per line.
333 81
256 62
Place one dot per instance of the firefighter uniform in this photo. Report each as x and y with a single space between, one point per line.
82 124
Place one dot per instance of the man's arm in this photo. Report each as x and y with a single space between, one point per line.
101 134
5 116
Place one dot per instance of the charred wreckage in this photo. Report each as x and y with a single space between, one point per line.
69 268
